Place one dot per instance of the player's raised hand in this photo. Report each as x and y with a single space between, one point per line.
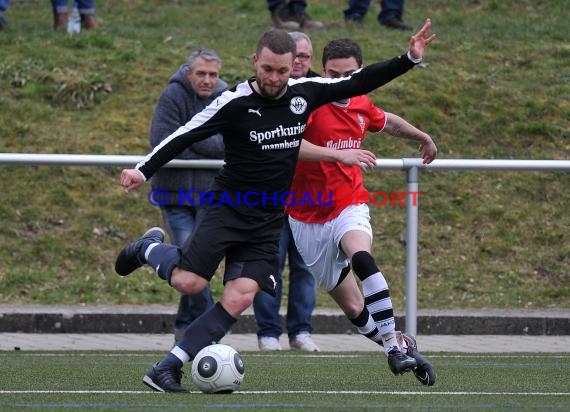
420 40
131 179
428 151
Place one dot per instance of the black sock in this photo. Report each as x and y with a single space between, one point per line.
210 327
362 319
366 326
163 258
375 290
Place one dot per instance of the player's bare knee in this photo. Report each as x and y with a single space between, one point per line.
235 302
352 308
187 282
243 300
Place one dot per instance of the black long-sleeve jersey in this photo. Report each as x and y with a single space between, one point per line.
262 136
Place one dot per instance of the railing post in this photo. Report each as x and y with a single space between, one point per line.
412 205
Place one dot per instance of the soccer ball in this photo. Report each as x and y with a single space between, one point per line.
217 368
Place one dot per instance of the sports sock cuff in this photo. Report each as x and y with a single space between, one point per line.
180 354
362 319
364 265
163 258
148 249
224 312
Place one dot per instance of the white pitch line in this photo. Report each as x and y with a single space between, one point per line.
296 355
5 392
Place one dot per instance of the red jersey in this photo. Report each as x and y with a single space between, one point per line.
321 190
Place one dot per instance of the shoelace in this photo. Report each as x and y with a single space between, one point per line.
169 376
395 353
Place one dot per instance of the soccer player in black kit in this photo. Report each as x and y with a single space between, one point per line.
262 121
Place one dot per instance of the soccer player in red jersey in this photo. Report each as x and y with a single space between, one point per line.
335 238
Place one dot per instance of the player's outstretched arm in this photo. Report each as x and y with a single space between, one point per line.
355 157
420 40
131 179
398 127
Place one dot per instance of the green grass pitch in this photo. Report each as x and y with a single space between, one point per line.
288 380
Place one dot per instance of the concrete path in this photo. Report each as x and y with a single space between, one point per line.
248 342
148 328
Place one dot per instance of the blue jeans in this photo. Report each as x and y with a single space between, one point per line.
302 297
4 4
179 222
389 9
84 6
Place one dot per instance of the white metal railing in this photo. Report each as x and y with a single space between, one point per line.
412 167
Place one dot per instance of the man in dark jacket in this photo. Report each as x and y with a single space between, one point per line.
194 86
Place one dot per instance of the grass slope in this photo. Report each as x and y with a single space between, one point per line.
491 87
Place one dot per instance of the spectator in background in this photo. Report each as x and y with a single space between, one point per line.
390 14
291 15
4 5
194 86
301 299
304 58
86 11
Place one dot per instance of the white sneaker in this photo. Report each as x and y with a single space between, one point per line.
267 343
304 341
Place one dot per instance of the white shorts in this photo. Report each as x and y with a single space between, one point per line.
319 243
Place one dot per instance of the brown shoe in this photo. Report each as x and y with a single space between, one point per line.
282 19
396 23
88 21
60 21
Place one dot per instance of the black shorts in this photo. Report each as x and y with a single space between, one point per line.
250 245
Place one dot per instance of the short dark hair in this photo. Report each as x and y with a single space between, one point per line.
342 49
278 41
